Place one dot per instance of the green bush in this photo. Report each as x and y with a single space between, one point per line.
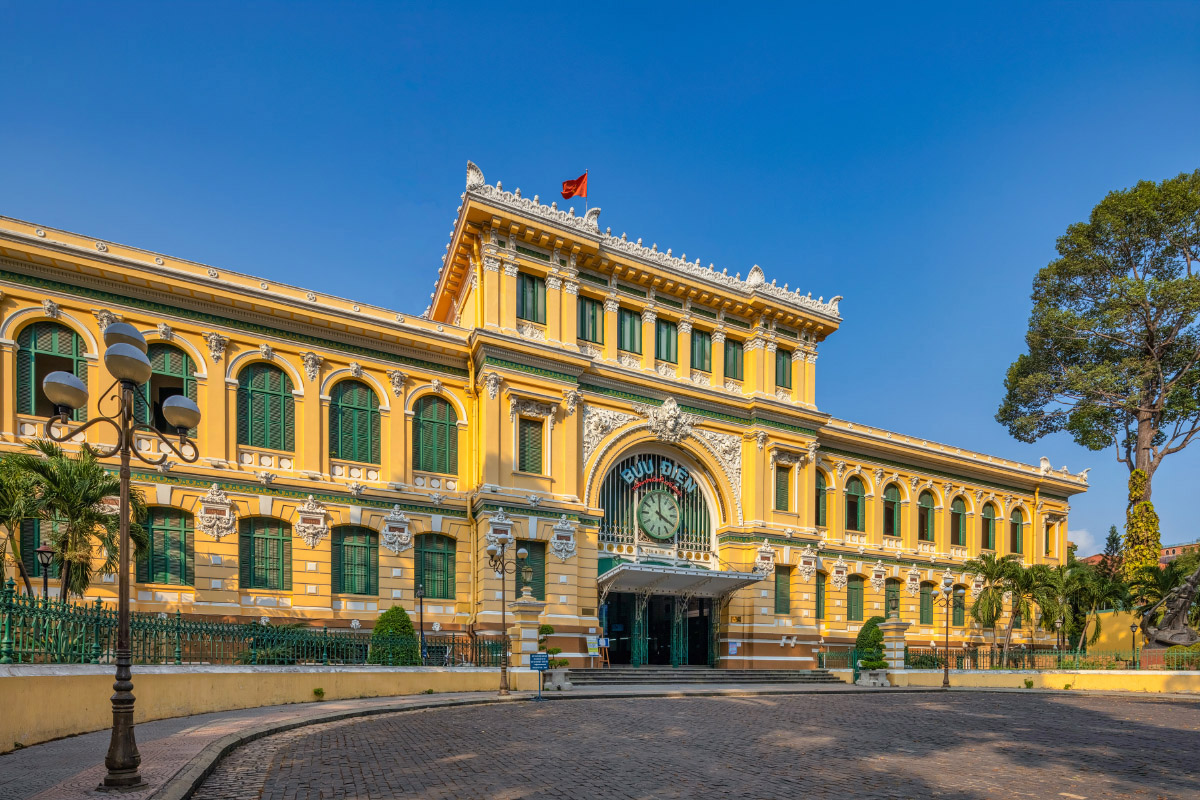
544 632
1182 657
393 641
870 645
924 661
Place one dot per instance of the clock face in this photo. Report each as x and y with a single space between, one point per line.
658 514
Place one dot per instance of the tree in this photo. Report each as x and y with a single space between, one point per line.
1091 592
393 640
1154 583
1027 587
1114 339
1142 543
70 490
1110 564
988 606
16 504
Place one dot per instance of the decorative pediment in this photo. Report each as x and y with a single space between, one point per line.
216 517
808 563
667 422
397 534
500 527
913 584
764 559
878 576
562 541
311 522
839 573
525 407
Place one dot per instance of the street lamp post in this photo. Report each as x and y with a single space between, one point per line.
125 358
1133 629
945 596
421 617
1058 643
45 554
496 552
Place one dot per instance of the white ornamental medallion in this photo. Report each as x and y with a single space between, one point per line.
563 542
808 563
839 574
397 536
216 517
311 525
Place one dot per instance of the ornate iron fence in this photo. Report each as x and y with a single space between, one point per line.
990 658
50 631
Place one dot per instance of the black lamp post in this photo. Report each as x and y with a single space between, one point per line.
1058 623
421 617
496 553
1133 629
45 554
125 358
946 596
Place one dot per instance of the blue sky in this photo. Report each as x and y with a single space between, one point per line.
920 161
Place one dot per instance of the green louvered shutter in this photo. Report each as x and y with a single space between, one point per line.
285 532
926 604
854 598
536 561
783 480
529 444
373 564
451 465
335 562
820 595
819 500
245 555
188 576
373 420
29 543
25 388
733 359
783 590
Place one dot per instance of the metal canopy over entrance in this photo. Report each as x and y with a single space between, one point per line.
660 614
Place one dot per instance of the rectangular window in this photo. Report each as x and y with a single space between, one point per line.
355 562
435 556
783 590
783 486
820 595
891 514
1047 550
701 350
854 599
591 320
1017 537
536 562
531 298
265 554
629 331
666 337
960 611
529 445
170 557
926 605
924 523
783 369
31 539
733 359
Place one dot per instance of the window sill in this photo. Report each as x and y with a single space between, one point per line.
250 457
342 468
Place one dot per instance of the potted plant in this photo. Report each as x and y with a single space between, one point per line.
872 669
558 666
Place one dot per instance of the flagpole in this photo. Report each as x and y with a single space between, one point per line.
585 197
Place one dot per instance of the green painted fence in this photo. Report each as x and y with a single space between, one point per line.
34 630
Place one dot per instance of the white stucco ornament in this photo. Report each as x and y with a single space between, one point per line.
839 573
808 563
311 523
397 534
878 576
216 517
764 559
667 422
913 584
562 542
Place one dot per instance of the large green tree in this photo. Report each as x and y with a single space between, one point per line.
1114 338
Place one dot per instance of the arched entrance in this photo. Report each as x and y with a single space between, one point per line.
659 577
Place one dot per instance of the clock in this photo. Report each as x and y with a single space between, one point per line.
658 514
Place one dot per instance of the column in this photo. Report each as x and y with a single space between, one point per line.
490 289
799 381
769 369
753 356
718 358
649 317
806 503
570 313
508 297
610 327
523 632
893 642
810 379
554 327
684 351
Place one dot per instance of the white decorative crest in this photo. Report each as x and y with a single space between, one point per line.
878 576
572 398
216 345
808 563
913 584
499 527
216 517
562 542
436 385
760 438
437 498
265 351
839 573
356 489
533 500
104 318
492 381
356 371
312 364
764 559
524 407
311 524
397 536
50 308
355 624
397 379
265 478
667 422
599 423
164 332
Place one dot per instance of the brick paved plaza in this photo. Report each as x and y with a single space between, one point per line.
958 745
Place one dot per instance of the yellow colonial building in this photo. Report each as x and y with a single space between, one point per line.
645 426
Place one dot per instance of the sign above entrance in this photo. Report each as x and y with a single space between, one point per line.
674 477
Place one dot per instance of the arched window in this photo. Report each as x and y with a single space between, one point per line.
354 422
855 505
355 562
987 530
171 557
435 565
926 603
174 374
891 510
34 533
821 580
854 598
958 522
891 591
819 500
266 412
265 553
925 517
42 348
536 561
435 436
1016 531
959 606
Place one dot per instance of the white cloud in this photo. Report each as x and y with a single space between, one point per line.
1084 541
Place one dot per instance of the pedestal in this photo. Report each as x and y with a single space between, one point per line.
523 632
893 643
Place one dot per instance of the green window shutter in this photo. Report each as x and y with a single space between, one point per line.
373 564
529 445
536 561
783 483
783 369
25 387
189 551
336 546
960 611
820 595
531 298
854 598
733 359
29 543
701 350
629 331
285 532
819 500
1015 529
435 436
245 554
926 604
783 590
243 414
590 320
855 500
289 420
890 590
451 465
666 337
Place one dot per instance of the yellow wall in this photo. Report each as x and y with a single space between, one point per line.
54 705
1088 680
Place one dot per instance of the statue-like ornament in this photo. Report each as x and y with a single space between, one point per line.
667 422
311 524
1172 630
839 574
764 561
397 536
808 563
563 542
216 517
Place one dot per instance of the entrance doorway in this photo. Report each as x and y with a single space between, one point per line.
674 631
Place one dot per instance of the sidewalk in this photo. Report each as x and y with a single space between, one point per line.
178 753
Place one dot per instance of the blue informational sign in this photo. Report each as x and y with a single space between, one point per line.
539 661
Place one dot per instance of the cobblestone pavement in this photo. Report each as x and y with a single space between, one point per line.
955 745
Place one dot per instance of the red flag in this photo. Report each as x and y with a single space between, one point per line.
575 188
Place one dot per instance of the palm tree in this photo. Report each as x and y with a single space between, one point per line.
1095 591
1027 588
1155 582
71 492
988 606
16 503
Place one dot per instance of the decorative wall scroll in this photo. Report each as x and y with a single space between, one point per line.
913 584
499 527
878 576
216 517
311 523
397 535
808 563
764 560
839 573
562 543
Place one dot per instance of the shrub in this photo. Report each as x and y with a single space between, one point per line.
1182 657
924 661
870 645
544 633
319 693
393 641
1028 683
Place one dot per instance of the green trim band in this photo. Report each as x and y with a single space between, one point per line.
849 555
530 511
200 316
702 412
542 371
